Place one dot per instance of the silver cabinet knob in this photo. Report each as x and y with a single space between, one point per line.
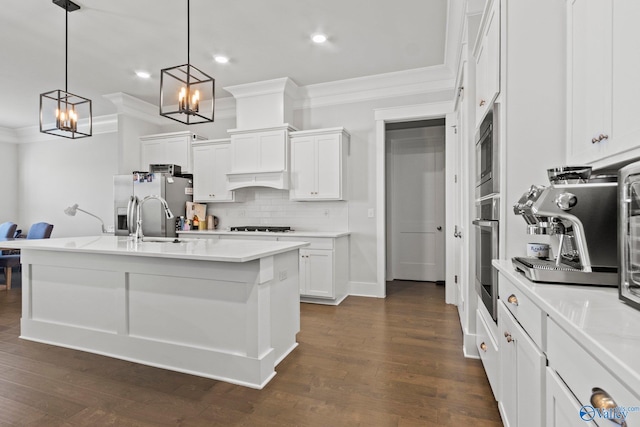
602 400
512 299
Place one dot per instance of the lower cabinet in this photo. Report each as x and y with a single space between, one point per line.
522 370
562 408
488 350
324 269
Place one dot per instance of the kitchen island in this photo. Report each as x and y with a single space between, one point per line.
222 309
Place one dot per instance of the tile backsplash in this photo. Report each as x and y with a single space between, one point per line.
266 206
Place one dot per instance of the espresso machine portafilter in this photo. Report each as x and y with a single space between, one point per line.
583 215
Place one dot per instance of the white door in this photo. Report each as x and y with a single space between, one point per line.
417 203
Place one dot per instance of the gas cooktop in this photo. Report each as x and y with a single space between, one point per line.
267 228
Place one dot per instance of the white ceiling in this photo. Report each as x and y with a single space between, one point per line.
265 39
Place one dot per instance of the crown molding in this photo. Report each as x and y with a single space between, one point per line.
101 124
135 107
8 136
282 85
388 85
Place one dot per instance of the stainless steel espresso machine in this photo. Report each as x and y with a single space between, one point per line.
582 212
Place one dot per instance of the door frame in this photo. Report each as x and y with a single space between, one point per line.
383 116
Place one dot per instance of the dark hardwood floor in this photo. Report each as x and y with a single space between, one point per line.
368 362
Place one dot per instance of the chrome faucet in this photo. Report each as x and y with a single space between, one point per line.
138 233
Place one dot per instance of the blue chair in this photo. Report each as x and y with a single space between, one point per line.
39 230
7 230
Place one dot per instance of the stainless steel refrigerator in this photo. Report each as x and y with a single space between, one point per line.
175 190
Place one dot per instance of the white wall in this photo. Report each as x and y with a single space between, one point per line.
57 173
9 179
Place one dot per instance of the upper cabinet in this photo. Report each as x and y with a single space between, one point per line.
602 88
318 164
211 162
487 56
168 148
260 157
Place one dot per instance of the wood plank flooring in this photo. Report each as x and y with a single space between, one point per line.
368 362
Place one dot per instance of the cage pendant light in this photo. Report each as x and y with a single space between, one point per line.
187 95
62 113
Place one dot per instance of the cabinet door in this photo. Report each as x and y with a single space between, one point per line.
488 62
303 168
221 165
178 152
625 82
316 273
562 408
152 152
589 79
203 170
328 167
522 373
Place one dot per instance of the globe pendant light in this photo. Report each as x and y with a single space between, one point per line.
62 113
187 95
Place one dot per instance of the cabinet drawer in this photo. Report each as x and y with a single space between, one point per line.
314 242
488 350
248 237
581 372
524 310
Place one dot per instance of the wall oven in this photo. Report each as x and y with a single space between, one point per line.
487 160
486 234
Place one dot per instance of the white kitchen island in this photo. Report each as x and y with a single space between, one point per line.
222 309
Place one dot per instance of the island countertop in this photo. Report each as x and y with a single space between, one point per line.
328 234
181 248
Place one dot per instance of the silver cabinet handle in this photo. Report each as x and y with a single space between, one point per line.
599 138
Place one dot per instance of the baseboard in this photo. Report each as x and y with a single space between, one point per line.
366 289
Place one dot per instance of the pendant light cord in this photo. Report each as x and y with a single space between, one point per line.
188 34
66 45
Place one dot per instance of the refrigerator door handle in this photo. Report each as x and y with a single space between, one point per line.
130 212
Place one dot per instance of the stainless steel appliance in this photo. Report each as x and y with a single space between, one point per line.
133 188
487 156
629 234
583 216
165 168
486 228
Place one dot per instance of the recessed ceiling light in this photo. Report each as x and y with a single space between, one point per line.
319 38
221 59
143 74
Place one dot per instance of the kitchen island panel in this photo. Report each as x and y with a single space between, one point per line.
228 321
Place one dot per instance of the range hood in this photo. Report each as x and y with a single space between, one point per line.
260 143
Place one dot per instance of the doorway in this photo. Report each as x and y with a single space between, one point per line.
415 200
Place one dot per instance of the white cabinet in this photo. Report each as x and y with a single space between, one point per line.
562 408
324 269
168 148
602 86
488 349
583 375
487 57
211 162
318 164
316 273
260 157
522 370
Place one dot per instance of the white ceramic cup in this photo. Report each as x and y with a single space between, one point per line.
538 250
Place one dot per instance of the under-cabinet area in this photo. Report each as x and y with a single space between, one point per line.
566 353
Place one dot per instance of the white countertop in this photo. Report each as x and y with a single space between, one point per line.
186 248
330 234
594 316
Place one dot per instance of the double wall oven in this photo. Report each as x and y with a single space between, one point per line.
487 222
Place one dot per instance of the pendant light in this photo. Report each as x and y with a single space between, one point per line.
62 113
187 95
